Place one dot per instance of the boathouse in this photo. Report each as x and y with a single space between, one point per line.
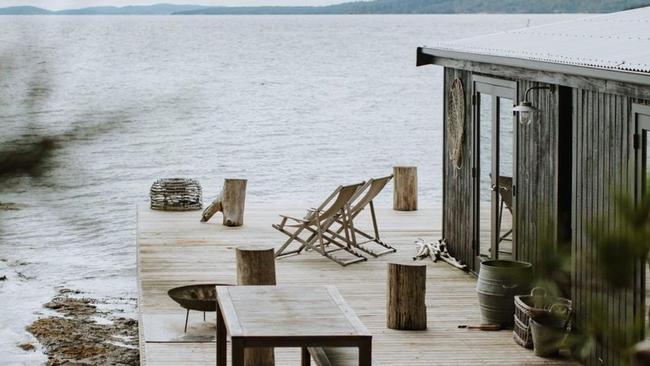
545 126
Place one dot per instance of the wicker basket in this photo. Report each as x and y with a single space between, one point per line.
532 305
176 194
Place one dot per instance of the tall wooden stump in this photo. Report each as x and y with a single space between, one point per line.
256 266
230 202
405 308
405 192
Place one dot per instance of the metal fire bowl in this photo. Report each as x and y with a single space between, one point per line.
196 297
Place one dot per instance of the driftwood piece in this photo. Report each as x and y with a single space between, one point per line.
231 202
405 192
437 251
256 266
405 308
212 209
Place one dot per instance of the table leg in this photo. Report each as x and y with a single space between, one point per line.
237 351
365 353
305 357
221 339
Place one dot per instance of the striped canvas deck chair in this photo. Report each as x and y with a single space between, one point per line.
371 243
311 232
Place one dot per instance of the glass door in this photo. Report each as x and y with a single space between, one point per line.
505 176
494 168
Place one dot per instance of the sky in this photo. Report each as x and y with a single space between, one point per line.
69 4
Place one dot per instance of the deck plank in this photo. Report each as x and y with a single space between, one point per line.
175 249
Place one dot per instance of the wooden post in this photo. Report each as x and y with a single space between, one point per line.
256 266
405 308
405 192
230 202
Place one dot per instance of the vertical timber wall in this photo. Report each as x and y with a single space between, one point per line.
537 182
603 155
458 183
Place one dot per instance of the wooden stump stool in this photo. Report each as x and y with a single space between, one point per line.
405 192
230 202
405 307
256 266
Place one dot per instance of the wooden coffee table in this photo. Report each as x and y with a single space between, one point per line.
284 316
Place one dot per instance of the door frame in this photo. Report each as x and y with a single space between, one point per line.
497 88
641 123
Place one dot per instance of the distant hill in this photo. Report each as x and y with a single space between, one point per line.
23 10
356 7
437 7
157 9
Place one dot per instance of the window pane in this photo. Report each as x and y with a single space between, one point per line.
485 169
506 168
485 147
506 137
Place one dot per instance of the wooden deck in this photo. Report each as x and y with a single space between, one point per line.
175 249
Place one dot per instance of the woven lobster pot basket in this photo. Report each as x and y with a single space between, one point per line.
535 304
176 194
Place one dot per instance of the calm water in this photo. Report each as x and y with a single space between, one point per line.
296 104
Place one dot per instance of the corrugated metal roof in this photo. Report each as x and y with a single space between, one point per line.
617 41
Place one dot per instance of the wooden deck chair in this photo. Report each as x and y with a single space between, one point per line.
316 225
363 198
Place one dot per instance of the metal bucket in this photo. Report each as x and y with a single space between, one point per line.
498 283
548 333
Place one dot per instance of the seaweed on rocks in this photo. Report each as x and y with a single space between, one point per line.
74 336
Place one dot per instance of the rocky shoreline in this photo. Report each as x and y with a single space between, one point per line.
80 333
9 206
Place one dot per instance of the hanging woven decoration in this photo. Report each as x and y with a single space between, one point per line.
456 123
176 194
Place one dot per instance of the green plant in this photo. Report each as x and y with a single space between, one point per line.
620 249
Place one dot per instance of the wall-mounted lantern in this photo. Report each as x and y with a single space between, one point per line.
525 108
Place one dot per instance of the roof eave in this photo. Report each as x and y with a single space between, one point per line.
429 56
